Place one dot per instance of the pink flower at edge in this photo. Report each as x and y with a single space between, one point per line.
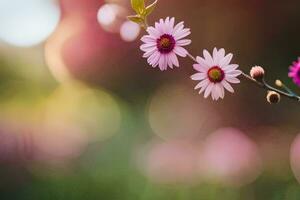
295 72
164 43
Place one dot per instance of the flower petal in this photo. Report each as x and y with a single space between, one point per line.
149 53
220 90
169 61
199 76
154 58
172 22
183 42
174 59
203 88
208 58
215 55
203 62
232 80
163 65
203 84
200 68
227 86
208 90
181 34
153 32
226 60
148 39
233 73
221 53
230 67
178 27
180 51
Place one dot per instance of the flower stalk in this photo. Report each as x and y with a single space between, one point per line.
165 42
264 85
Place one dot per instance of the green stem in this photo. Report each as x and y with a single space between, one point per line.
263 84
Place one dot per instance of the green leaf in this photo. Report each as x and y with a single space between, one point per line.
138 6
150 8
136 18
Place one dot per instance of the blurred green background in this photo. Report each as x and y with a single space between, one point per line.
83 116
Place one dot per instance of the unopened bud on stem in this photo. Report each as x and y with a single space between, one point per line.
279 83
273 97
257 73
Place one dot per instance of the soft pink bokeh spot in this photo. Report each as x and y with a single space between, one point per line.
80 48
231 158
274 146
175 111
295 161
57 144
171 162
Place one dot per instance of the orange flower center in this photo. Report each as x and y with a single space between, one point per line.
216 74
165 43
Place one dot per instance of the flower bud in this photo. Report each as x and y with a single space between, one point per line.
257 73
278 83
273 97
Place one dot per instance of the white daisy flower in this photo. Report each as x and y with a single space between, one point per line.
215 73
164 42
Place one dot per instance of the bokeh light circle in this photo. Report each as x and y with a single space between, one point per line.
231 158
294 156
74 117
27 23
129 31
175 111
274 146
94 111
170 162
109 16
68 27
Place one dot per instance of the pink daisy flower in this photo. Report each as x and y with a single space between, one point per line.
164 42
295 72
215 73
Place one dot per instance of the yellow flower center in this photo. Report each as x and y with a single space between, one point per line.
166 43
215 74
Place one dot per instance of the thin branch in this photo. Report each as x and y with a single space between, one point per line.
263 84
286 88
191 57
291 96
